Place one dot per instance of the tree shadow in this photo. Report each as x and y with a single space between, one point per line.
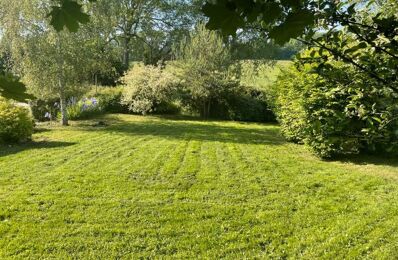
16 148
364 159
40 130
198 130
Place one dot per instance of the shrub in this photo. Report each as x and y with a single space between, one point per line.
336 110
148 89
249 104
109 99
44 110
16 123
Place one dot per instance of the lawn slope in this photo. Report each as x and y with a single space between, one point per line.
156 187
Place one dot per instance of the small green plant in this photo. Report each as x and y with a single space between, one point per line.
16 123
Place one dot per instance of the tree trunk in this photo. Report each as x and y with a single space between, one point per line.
61 84
208 108
96 83
204 110
64 112
126 52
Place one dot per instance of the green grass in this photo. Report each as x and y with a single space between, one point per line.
156 187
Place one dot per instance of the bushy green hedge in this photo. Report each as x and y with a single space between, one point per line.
242 103
16 123
249 104
109 99
336 111
149 89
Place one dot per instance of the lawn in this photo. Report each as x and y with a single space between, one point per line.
157 187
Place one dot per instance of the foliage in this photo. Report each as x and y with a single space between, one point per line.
283 20
83 109
148 88
16 124
251 45
10 85
335 109
287 98
12 88
53 64
69 14
144 30
325 24
109 99
44 110
203 65
246 103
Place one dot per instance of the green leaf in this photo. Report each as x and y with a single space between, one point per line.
68 15
293 26
351 9
355 48
272 11
223 16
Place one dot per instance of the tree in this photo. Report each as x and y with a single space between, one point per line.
50 63
148 28
203 64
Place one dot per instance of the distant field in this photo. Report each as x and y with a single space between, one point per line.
267 73
161 188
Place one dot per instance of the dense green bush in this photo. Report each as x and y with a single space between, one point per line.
109 99
44 110
16 123
241 103
148 89
336 110
249 104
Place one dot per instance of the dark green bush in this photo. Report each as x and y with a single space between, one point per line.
44 110
336 110
16 124
110 99
167 108
249 104
242 103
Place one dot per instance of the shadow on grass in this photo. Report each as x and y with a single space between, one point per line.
16 148
364 159
198 130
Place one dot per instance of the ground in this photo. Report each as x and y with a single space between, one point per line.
157 187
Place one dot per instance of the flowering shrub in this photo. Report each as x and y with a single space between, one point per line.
82 109
148 88
16 123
